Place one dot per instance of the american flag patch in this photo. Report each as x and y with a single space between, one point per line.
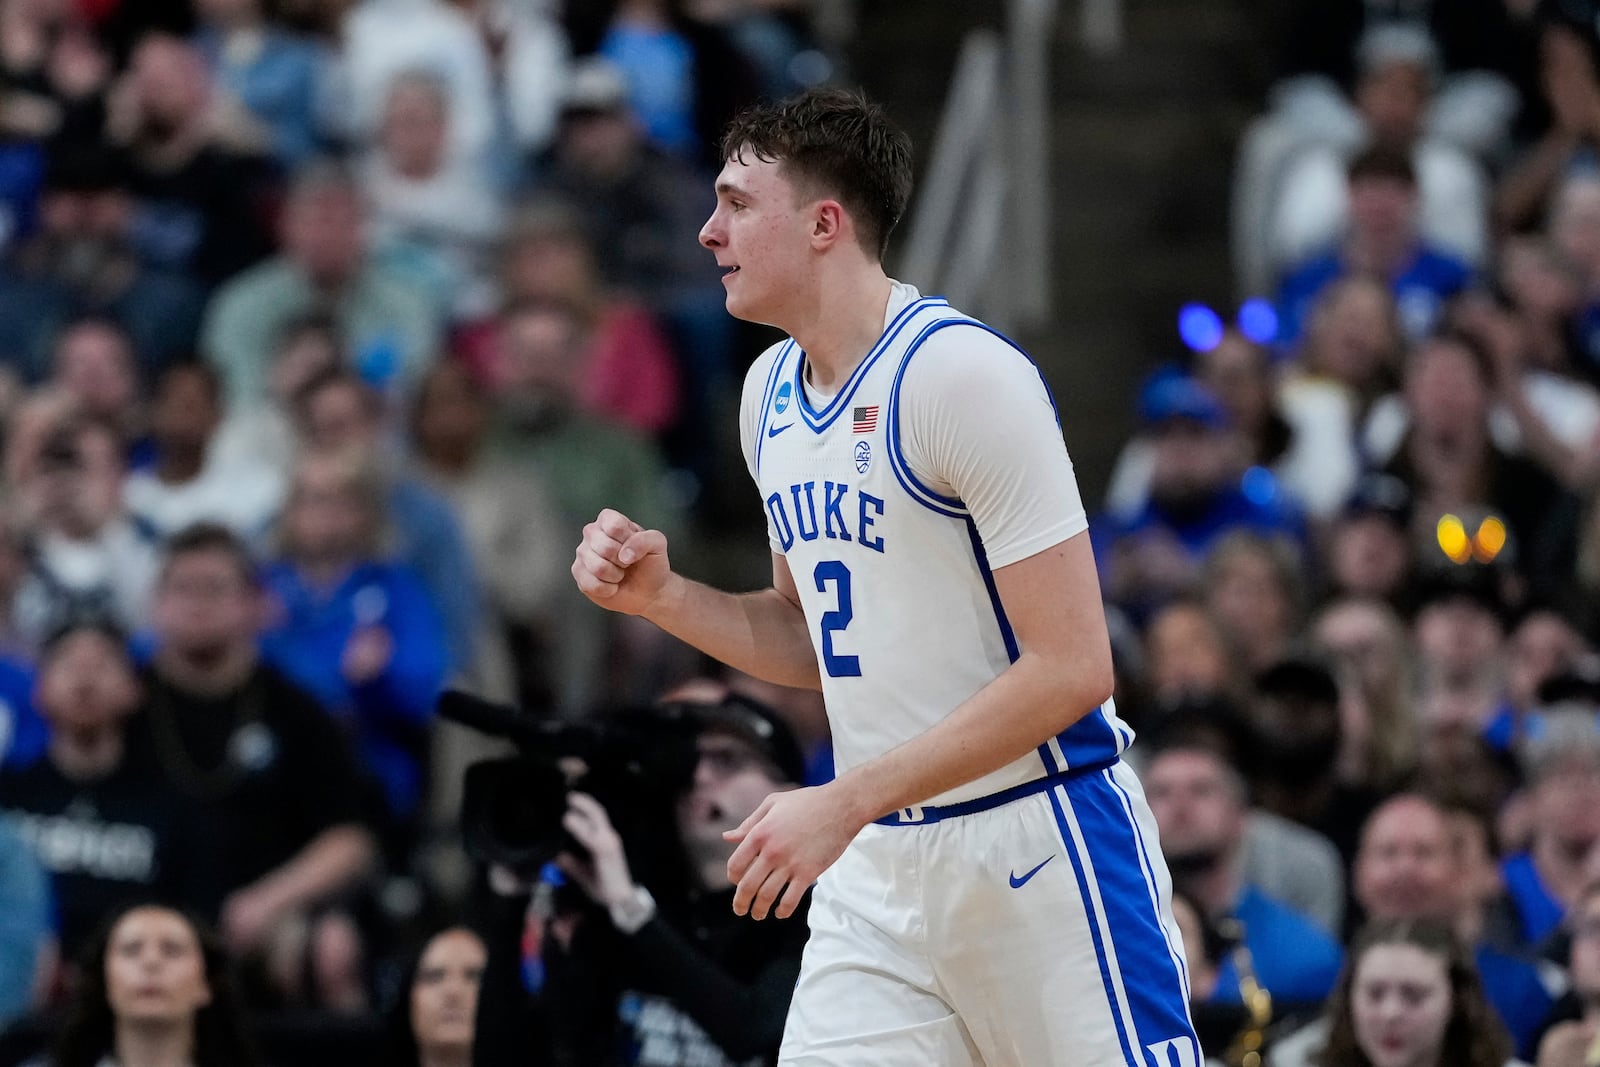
866 419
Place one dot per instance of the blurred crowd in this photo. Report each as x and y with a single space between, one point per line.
324 327
1350 555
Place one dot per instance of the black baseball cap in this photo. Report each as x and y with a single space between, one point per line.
755 723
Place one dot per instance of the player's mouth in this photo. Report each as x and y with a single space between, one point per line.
729 272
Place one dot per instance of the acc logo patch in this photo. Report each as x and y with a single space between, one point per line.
863 457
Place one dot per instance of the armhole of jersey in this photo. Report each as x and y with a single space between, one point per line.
774 375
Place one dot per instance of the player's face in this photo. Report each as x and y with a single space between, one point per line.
760 233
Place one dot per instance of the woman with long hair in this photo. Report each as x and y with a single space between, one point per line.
434 1018
155 991
1411 997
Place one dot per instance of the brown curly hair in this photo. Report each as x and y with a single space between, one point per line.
1473 1035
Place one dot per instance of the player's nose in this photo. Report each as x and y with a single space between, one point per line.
711 233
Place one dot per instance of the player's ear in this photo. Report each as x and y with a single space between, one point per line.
829 223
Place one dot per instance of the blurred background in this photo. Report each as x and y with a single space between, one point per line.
325 325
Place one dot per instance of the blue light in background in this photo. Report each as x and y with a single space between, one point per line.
1258 320
1200 327
1259 486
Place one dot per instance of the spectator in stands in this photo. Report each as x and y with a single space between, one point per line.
264 758
1411 997
530 59
1569 81
86 553
1187 655
1353 347
82 261
1562 767
358 633
380 39
1382 240
265 432
92 366
1571 1042
518 538
1448 457
1407 870
187 483
685 79
630 373
1545 644
435 1013
434 216
1367 551
200 187
1295 710
586 462
1196 497
1398 76
274 76
155 991
1200 808
27 932
338 412
108 827
664 965
1370 650
1302 436
1459 634
644 209
1253 588
391 328
1574 229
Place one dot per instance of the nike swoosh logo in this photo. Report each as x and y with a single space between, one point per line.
1018 883
773 431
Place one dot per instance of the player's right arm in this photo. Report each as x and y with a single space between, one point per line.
623 567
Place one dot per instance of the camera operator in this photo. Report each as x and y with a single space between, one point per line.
646 964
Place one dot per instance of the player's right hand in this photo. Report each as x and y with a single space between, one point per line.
620 565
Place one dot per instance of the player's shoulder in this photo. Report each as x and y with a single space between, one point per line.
964 351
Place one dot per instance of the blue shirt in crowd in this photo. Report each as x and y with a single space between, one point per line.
1294 959
1420 291
390 712
23 734
1538 912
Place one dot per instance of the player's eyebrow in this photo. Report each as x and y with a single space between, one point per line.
729 188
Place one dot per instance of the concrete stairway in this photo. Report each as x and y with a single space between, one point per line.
1142 154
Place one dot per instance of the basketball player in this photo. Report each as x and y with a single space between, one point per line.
989 886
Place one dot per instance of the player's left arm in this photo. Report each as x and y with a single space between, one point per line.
1031 521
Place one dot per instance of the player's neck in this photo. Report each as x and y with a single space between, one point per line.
844 324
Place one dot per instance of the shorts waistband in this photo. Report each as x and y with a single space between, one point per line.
923 814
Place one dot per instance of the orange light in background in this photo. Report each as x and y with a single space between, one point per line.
1491 538
1453 539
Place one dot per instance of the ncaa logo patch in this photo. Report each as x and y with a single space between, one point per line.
780 403
863 457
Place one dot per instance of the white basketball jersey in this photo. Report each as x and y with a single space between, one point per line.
891 565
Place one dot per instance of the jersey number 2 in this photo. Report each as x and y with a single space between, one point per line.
832 570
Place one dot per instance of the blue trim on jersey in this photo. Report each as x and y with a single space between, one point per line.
1153 987
948 506
1079 870
924 814
1149 876
821 420
1013 650
767 393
